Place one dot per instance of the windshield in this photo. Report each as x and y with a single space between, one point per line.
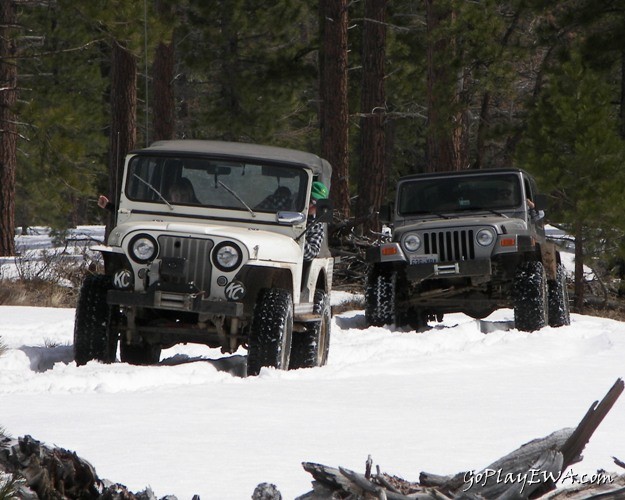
453 194
237 185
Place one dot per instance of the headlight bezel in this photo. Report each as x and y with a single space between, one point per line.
488 233
412 242
220 247
133 245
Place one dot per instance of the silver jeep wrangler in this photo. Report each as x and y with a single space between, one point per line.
208 248
472 242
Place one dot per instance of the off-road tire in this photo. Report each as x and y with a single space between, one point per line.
380 295
415 318
270 336
93 339
139 354
530 297
558 298
310 347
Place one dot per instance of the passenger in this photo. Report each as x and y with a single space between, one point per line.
314 235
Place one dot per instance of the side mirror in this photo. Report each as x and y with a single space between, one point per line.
290 218
541 201
324 210
385 213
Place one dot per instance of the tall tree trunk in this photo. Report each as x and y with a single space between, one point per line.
622 100
372 180
8 126
579 267
164 103
123 115
482 127
447 133
334 107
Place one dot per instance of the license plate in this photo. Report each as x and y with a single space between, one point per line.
430 258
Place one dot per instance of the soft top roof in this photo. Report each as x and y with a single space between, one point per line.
453 173
320 167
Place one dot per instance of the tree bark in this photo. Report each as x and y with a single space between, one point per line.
8 126
447 132
579 267
622 99
164 103
373 176
123 115
333 92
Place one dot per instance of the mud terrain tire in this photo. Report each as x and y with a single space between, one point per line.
310 347
558 298
530 297
93 338
271 332
380 295
139 354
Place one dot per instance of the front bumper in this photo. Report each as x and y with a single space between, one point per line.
175 301
442 270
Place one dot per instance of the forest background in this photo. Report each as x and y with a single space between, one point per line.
380 88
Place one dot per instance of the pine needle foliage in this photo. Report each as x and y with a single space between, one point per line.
573 147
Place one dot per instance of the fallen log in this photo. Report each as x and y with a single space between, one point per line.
36 471
530 471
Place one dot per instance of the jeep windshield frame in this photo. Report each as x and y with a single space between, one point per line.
494 193
199 181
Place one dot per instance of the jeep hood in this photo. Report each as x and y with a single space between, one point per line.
500 223
260 244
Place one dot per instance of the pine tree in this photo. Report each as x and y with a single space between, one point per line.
573 147
8 125
61 115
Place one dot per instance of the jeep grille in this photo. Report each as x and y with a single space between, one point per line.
196 254
450 245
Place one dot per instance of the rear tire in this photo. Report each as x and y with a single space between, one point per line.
310 348
530 297
93 337
271 332
559 313
380 295
139 354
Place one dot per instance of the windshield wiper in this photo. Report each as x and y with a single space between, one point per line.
237 197
428 212
492 211
155 190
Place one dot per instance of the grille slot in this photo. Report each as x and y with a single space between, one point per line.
196 253
450 245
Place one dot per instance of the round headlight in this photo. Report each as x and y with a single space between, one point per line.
412 242
485 237
142 248
227 256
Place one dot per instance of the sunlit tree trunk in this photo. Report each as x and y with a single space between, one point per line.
372 180
447 133
579 267
164 104
123 114
334 107
8 126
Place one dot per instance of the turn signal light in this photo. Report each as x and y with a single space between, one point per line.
507 242
390 250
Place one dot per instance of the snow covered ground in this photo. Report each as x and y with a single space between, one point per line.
448 400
